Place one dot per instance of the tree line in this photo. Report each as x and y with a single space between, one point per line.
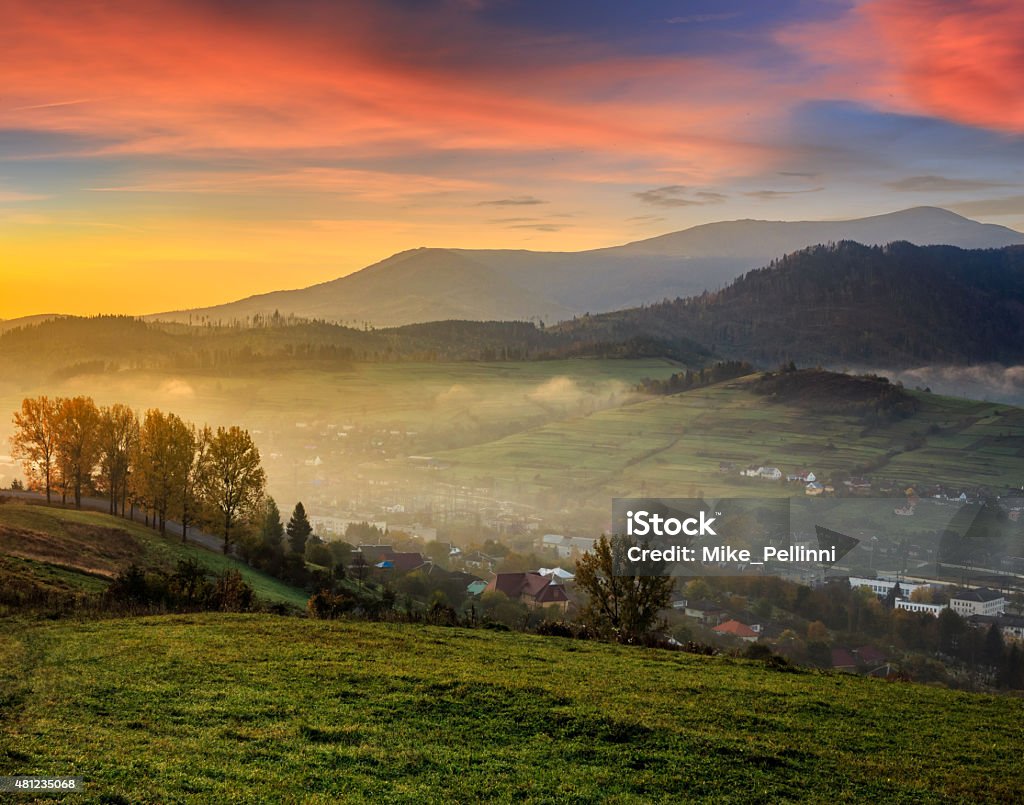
157 462
690 379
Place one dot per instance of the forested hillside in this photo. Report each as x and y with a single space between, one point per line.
888 305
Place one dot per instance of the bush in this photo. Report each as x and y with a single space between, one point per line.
577 631
230 593
555 629
186 590
325 604
757 651
442 615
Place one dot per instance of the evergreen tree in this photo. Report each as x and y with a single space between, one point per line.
299 529
271 528
994 646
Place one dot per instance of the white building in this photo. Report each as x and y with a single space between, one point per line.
915 606
883 587
768 473
982 601
565 547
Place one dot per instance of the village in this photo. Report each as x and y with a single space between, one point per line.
492 583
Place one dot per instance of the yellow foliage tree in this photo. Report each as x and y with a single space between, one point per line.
233 480
34 441
78 444
119 435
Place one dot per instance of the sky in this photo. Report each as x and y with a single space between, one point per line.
162 155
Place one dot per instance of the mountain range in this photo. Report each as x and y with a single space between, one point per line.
435 284
897 305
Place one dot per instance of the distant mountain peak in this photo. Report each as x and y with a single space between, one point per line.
431 283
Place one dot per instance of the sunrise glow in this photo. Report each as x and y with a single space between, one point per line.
211 150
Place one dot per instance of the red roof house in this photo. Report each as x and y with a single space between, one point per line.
532 589
733 628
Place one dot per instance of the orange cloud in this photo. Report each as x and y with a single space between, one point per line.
960 61
167 78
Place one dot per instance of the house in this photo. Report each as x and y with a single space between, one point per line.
751 620
870 656
806 476
476 587
767 473
733 628
532 589
559 575
843 660
814 489
372 554
1011 626
565 547
405 561
704 611
392 563
982 601
477 560
551 541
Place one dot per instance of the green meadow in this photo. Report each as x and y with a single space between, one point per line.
260 708
674 445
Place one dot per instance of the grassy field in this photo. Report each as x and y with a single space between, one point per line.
64 549
219 708
674 445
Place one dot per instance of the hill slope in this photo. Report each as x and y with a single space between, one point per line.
217 708
70 553
897 305
433 284
674 445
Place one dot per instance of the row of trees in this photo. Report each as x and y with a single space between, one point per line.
158 462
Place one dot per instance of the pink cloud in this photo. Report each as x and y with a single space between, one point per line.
168 78
960 61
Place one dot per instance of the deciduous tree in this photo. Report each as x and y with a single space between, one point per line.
197 443
78 443
119 435
234 481
34 441
167 447
622 606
